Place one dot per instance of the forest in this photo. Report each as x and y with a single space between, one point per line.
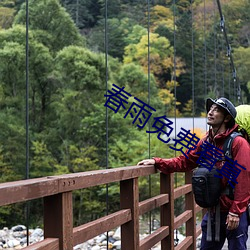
169 54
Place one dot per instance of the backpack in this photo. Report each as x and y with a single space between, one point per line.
206 187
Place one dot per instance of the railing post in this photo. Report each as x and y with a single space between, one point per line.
129 198
190 205
58 219
167 210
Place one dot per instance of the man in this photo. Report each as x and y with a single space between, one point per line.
221 115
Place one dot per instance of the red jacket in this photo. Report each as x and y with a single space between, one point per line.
240 153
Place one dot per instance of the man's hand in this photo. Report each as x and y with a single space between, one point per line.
146 162
232 221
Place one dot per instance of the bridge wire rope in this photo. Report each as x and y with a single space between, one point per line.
149 134
174 62
176 239
229 82
77 13
107 120
205 47
192 64
222 68
215 52
205 55
192 74
236 82
220 61
221 46
27 204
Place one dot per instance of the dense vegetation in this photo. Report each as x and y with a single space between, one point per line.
68 70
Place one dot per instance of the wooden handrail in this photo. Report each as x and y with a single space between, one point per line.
24 190
58 208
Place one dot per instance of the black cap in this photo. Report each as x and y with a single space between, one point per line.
223 103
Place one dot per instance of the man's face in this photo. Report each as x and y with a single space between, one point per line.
215 116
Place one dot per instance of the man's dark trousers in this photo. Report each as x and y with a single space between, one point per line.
237 238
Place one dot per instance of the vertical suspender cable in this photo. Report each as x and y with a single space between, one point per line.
205 55
149 149
149 153
192 23
235 90
175 89
106 81
205 51
229 83
77 13
174 74
174 59
27 112
222 70
223 80
215 53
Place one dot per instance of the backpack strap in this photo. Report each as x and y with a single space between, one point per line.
227 147
209 226
217 224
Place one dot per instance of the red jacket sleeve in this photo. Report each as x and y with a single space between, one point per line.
241 154
179 164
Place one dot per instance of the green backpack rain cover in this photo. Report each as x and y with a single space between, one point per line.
243 118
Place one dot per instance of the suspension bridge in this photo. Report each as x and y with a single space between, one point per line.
56 192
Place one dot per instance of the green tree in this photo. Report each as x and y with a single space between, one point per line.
161 57
242 64
13 53
79 116
84 13
117 32
161 16
13 60
53 25
161 62
136 82
13 148
78 72
42 163
6 17
237 16
12 108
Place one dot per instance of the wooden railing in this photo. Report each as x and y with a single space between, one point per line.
56 192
